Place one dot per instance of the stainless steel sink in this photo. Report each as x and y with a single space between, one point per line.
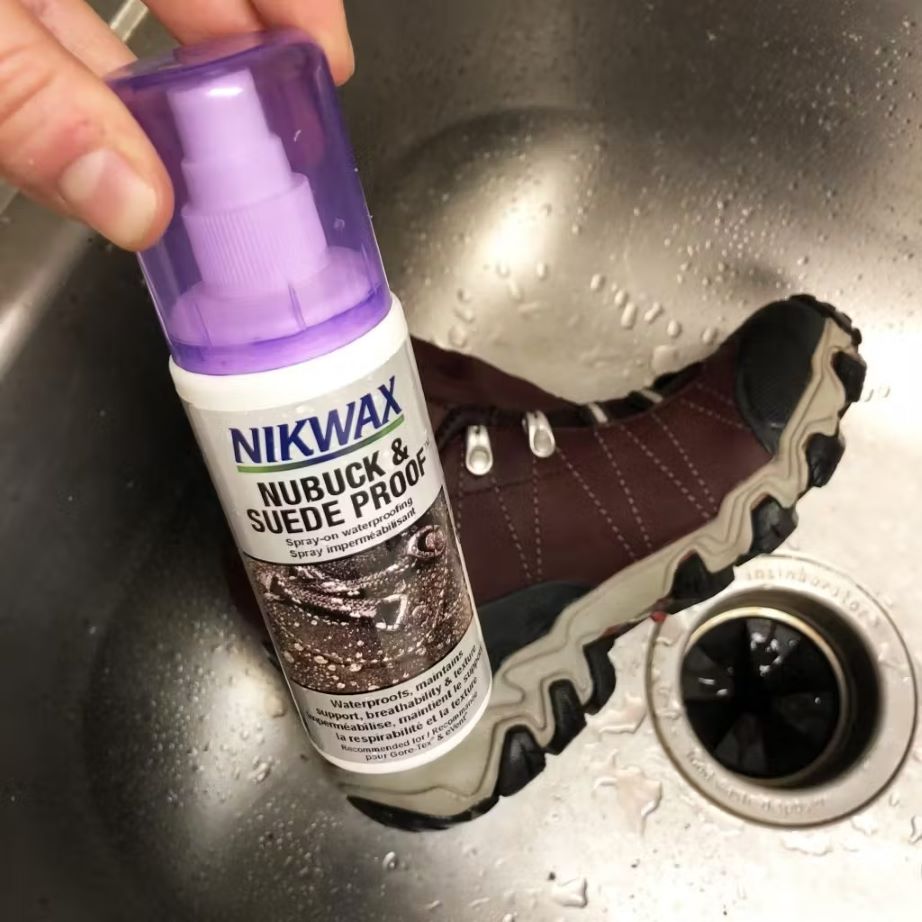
586 194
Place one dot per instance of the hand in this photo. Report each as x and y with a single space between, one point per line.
69 143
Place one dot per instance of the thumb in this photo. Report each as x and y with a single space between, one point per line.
68 142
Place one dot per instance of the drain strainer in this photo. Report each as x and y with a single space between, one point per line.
787 699
764 692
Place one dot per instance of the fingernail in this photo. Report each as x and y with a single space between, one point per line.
104 190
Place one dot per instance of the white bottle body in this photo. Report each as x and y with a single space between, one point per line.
329 475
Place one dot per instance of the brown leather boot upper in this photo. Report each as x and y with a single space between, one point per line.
613 491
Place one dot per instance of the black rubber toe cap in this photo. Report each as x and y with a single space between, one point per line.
776 347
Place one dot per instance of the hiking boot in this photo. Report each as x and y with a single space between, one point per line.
579 521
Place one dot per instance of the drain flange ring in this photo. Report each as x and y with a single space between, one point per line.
869 676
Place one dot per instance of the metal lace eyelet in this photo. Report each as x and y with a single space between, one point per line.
541 439
478 453
653 396
598 414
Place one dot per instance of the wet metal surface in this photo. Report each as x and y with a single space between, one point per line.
586 194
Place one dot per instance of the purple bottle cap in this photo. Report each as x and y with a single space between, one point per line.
270 258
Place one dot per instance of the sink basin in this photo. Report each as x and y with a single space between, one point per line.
587 195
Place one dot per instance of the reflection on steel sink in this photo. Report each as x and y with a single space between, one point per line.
586 195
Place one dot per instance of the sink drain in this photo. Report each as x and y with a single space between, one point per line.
789 698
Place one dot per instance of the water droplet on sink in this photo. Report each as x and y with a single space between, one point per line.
865 824
807 843
508 917
260 772
542 271
431 907
390 862
275 705
885 658
629 315
653 312
465 313
674 328
627 718
664 359
571 893
576 229
514 289
709 336
502 270
457 336
529 308
463 295
637 795
916 834
596 282
894 800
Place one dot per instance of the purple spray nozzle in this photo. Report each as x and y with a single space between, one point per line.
230 156
252 222
270 258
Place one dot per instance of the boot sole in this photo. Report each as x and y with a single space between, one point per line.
527 720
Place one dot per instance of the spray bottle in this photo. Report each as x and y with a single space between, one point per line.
294 363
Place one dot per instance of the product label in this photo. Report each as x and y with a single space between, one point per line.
339 508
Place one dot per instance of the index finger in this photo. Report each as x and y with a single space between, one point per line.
323 20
